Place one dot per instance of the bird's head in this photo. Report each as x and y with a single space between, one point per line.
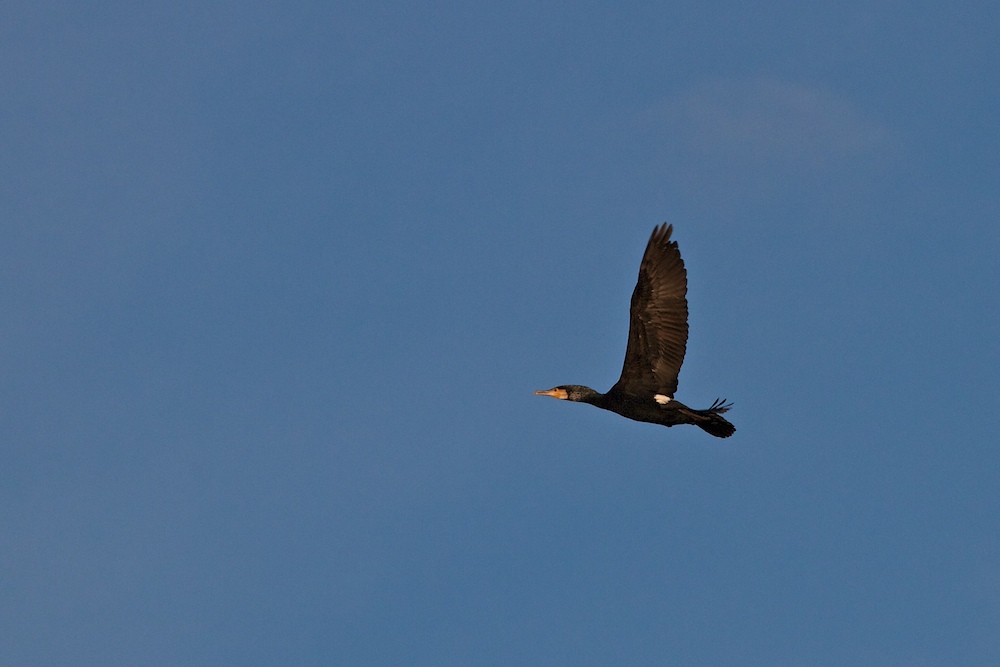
569 392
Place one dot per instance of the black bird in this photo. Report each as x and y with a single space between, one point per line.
657 339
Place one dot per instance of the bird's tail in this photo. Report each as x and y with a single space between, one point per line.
712 422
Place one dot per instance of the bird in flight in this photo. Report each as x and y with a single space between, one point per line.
657 339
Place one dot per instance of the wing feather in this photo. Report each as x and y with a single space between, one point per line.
658 327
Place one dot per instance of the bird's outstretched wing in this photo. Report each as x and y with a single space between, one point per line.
658 328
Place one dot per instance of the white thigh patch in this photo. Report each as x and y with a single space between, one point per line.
661 399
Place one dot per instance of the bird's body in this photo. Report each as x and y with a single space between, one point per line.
657 341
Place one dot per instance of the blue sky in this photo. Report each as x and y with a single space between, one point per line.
280 279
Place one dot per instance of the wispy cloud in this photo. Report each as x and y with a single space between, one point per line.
762 132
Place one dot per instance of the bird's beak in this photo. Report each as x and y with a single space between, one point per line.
554 393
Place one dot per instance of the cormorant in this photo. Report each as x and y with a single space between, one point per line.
657 339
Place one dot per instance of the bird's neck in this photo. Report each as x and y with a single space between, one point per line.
588 395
